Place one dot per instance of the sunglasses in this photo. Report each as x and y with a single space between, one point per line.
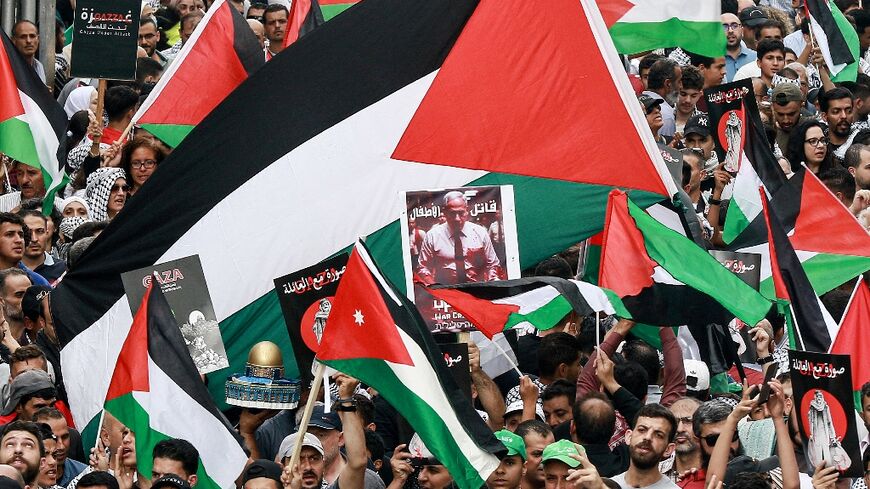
712 439
120 188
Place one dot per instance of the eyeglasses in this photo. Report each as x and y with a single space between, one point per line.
685 419
120 188
817 141
732 26
712 439
148 164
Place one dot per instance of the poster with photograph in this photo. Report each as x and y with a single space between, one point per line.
183 283
306 298
734 121
822 392
487 250
747 267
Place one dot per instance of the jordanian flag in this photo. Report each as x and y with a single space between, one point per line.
256 201
376 335
305 16
644 25
813 326
835 37
663 277
852 339
155 391
32 124
331 8
223 38
542 302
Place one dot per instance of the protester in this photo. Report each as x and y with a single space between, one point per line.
275 19
67 468
25 38
737 54
663 83
808 145
836 109
139 159
106 193
21 447
536 436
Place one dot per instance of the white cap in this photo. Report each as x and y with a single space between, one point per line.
697 375
518 406
289 443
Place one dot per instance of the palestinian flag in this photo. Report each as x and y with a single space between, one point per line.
836 38
542 302
331 8
32 123
305 16
377 336
852 339
223 38
638 26
257 201
155 391
804 206
663 277
813 329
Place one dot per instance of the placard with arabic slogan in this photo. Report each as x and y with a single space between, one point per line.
106 37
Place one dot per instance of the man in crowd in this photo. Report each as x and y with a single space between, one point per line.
31 184
266 474
566 466
712 69
686 458
67 468
650 441
121 102
770 59
29 392
752 18
737 54
857 161
25 38
511 468
36 256
275 26
257 28
175 456
836 109
13 285
149 37
786 102
21 447
536 436
558 397
48 476
593 426
690 93
663 83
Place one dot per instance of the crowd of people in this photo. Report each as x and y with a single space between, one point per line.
596 407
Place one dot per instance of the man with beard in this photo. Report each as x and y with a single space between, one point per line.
30 182
687 452
536 435
736 53
857 161
36 256
149 37
663 83
649 441
786 102
13 285
21 447
836 107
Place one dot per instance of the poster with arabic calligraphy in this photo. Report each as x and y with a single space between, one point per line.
747 267
106 39
488 249
183 283
456 358
822 393
733 112
306 299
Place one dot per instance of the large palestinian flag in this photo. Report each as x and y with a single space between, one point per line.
663 277
644 25
257 201
192 87
156 391
835 37
377 336
32 124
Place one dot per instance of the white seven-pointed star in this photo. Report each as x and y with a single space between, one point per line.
358 317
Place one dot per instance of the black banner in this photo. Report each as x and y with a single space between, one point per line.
306 299
733 113
456 357
106 37
747 266
822 393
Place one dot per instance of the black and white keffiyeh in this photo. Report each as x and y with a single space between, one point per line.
99 188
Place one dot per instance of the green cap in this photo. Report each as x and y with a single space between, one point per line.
514 443
561 451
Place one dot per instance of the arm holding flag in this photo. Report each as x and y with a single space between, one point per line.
674 373
488 393
587 381
353 475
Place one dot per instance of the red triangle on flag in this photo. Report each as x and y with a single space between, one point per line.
820 209
613 10
360 324
527 90
131 369
488 317
10 101
625 268
776 272
851 339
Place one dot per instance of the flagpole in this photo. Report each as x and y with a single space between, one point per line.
306 414
101 92
797 330
597 329
99 429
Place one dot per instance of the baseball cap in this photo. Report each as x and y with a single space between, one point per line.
561 451
649 102
518 406
26 383
31 303
514 443
752 17
785 93
745 463
289 443
170 480
326 421
263 468
697 375
697 124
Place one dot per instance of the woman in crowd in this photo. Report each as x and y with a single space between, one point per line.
106 193
139 159
808 144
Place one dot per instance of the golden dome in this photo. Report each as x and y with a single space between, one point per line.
266 354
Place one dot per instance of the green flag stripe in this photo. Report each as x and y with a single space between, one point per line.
16 141
735 223
171 134
850 72
820 270
544 317
129 412
330 11
705 38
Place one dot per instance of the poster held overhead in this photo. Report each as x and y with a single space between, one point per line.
106 39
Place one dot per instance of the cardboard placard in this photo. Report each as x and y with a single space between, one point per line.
106 37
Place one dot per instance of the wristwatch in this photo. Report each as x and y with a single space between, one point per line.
345 405
763 360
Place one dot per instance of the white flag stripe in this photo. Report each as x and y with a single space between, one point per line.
662 10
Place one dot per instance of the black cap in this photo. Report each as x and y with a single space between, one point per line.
752 17
31 304
745 463
648 102
263 468
170 480
327 421
697 124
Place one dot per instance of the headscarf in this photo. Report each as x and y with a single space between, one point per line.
77 155
67 201
99 188
79 99
69 224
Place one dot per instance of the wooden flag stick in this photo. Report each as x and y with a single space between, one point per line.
306 414
101 92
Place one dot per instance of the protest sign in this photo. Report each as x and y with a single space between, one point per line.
306 299
729 106
747 266
183 283
106 39
822 393
488 248
456 357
